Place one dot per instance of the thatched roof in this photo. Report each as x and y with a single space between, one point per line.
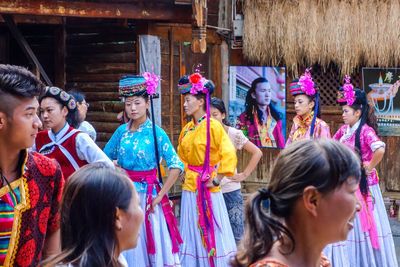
296 33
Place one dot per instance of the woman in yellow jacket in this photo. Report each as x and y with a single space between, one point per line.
203 144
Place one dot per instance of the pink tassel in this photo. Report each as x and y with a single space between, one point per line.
367 219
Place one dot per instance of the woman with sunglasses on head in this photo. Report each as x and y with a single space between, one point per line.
83 107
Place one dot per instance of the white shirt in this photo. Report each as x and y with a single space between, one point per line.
86 127
351 130
238 140
86 148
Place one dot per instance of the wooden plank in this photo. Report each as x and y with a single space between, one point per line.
104 136
97 10
216 69
98 68
59 56
25 46
106 127
30 19
95 77
183 33
102 96
112 47
171 81
4 48
100 38
107 106
126 57
101 116
94 86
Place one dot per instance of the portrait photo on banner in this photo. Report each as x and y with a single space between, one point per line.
381 86
257 103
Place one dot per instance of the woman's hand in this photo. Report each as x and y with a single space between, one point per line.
116 163
367 168
213 182
239 177
155 202
182 176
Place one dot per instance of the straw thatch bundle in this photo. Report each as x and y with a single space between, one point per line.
349 33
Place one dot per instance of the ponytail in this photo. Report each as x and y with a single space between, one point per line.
261 230
316 114
363 120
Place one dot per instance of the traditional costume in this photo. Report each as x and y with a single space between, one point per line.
70 147
268 134
370 243
309 125
29 210
206 232
136 152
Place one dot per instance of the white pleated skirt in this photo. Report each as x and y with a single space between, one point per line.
192 252
357 250
139 257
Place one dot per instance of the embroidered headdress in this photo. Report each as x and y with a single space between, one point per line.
61 96
194 84
346 94
305 85
137 85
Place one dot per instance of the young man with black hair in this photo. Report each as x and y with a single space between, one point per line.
31 184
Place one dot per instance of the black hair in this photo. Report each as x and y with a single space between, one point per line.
88 213
220 105
323 163
209 85
367 117
73 114
79 96
17 82
251 103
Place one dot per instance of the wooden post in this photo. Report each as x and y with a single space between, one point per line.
59 56
199 30
25 46
171 83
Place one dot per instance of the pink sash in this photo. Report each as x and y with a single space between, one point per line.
205 211
150 178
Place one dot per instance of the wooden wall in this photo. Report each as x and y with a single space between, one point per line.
98 55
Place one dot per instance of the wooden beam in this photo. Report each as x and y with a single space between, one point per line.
25 46
60 47
98 10
30 19
183 32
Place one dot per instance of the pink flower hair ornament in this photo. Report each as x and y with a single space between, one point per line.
306 83
152 81
349 96
198 83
